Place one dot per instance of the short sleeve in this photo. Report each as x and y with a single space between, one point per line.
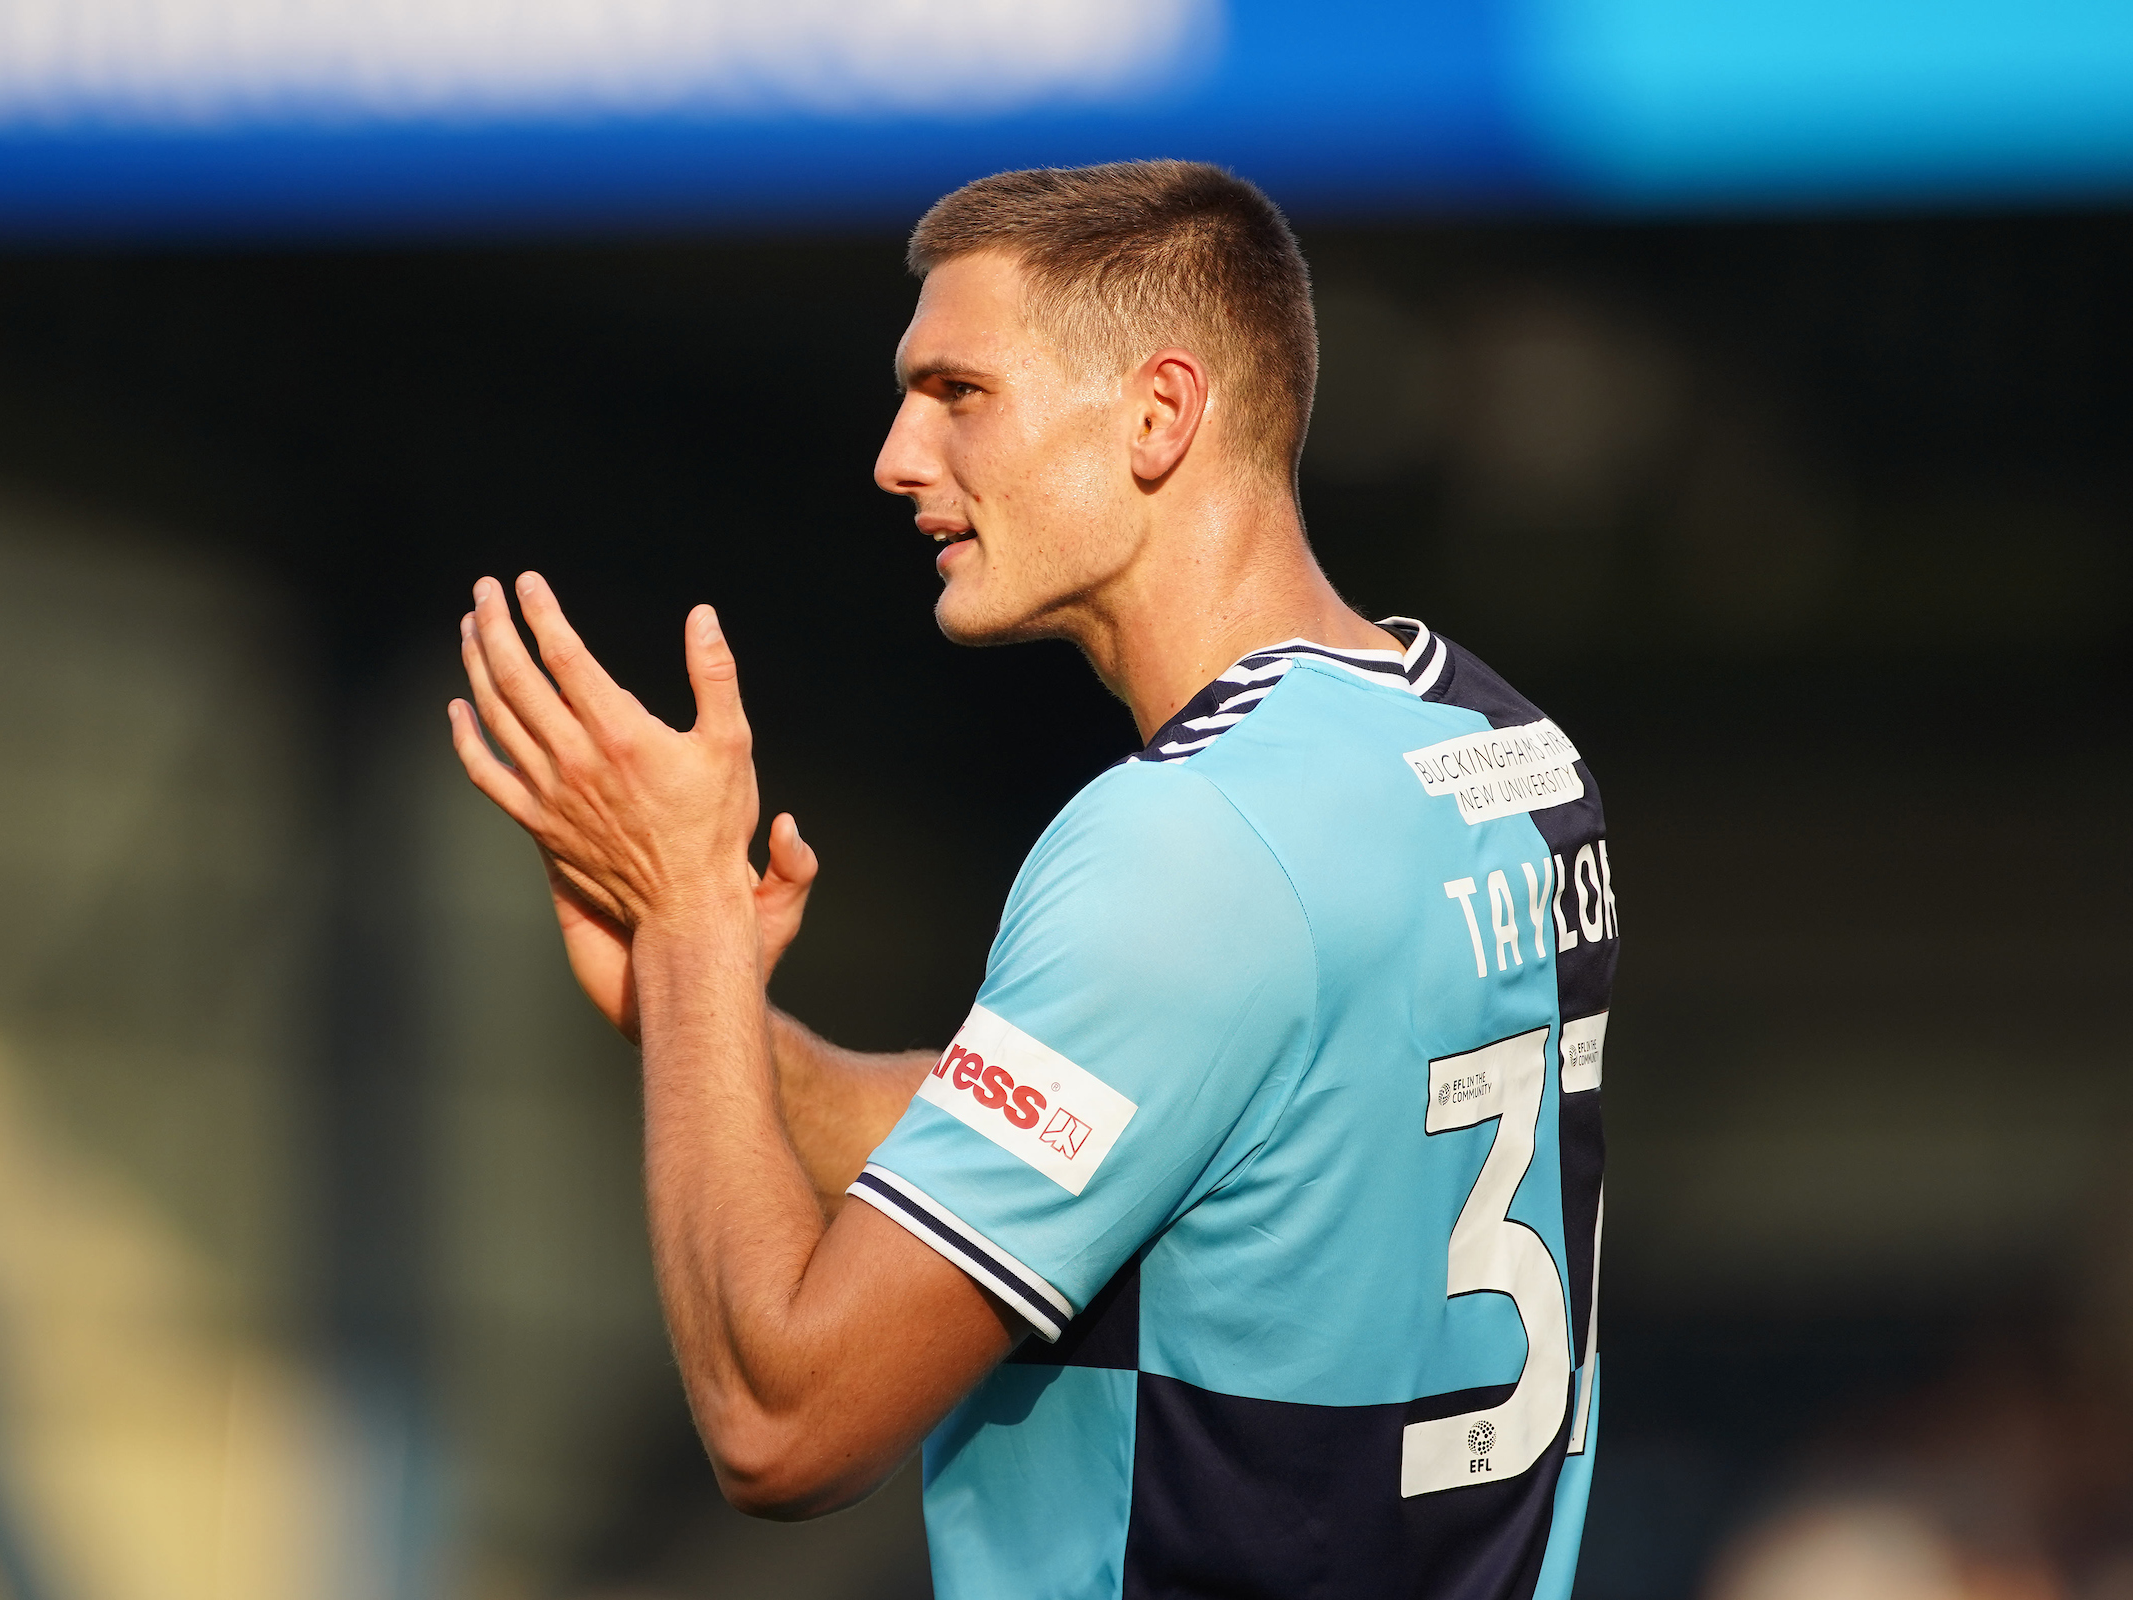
1145 1011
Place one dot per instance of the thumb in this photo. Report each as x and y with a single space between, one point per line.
792 858
713 674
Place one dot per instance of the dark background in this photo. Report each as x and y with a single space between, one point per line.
1813 533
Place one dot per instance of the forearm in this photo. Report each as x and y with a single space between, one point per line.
734 1220
838 1104
777 1317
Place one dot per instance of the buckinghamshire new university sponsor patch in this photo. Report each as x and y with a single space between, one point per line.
1500 772
1028 1099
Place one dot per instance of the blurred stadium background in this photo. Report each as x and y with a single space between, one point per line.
1749 382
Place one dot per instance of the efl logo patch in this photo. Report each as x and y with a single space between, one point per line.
1028 1099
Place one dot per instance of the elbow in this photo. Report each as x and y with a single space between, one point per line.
781 1472
774 1494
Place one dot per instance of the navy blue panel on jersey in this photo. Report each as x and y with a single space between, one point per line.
1258 1500
1278 1119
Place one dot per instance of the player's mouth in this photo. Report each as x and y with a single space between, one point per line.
945 541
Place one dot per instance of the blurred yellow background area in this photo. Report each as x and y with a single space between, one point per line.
163 1432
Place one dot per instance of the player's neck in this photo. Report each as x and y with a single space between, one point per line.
1208 592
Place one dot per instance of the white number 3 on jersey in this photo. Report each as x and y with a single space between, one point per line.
1490 1254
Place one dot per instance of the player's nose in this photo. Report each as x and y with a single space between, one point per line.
908 463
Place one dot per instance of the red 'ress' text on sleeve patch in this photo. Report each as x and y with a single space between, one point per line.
1028 1099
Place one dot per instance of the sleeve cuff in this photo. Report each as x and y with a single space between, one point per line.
911 1208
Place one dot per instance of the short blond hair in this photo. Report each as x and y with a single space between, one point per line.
1125 258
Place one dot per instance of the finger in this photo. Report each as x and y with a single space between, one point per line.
519 682
520 748
792 858
500 783
599 701
715 677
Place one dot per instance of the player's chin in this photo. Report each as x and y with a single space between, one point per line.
967 615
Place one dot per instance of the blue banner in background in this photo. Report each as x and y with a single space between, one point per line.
247 117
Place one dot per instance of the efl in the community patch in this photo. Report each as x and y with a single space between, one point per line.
1583 1040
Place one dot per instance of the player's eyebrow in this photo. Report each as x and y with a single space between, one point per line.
911 378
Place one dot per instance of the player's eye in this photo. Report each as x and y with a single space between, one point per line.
959 390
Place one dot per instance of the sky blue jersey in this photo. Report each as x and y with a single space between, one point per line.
1278 1119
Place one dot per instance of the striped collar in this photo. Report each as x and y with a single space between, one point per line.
1230 698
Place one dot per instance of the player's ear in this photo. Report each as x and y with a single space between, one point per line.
1171 388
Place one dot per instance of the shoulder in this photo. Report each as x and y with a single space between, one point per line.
1168 821
1152 870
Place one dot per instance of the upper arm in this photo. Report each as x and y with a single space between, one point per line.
838 1104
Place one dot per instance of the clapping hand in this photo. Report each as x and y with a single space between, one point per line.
635 820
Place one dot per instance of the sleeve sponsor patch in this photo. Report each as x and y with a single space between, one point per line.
1501 772
1028 1099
